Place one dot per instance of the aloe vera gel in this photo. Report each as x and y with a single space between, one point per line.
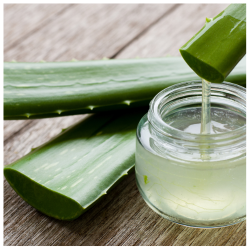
191 168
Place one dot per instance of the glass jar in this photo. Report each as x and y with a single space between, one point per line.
194 179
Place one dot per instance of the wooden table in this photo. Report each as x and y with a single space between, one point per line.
86 32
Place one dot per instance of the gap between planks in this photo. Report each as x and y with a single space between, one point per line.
145 30
13 128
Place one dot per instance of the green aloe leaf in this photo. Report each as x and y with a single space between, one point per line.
216 49
70 173
40 90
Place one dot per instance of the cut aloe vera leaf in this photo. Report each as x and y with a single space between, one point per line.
70 173
41 90
217 48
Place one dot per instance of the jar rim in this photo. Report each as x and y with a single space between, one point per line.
157 122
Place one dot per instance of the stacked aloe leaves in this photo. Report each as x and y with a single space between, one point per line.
67 175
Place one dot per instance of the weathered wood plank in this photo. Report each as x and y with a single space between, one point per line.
21 20
172 31
12 127
87 32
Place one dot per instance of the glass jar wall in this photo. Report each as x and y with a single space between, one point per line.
190 178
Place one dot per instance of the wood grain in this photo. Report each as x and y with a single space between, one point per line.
12 127
92 32
22 20
86 32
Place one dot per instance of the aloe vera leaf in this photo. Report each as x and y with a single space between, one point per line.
70 173
217 48
41 90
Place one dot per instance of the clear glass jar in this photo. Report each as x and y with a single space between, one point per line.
190 178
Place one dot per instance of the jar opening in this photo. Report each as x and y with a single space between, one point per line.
176 111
